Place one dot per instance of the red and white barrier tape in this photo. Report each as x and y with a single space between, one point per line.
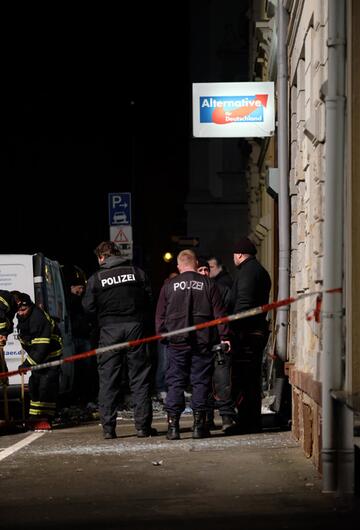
230 318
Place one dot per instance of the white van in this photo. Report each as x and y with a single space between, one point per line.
41 278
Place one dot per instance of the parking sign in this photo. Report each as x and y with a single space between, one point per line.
119 209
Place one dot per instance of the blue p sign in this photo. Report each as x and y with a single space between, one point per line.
119 208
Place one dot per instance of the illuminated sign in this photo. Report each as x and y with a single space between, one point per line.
233 110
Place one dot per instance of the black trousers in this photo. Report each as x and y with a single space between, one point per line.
247 378
110 371
222 398
186 365
43 391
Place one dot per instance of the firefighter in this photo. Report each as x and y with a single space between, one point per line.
40 337
7 312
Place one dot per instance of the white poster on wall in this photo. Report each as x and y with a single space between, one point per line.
233 110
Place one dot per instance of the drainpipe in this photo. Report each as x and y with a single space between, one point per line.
283 198
337 425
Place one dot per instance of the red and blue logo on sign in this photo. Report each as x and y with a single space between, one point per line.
232 109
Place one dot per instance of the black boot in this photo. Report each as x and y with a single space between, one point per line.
200 429
173 427
210 420
230 426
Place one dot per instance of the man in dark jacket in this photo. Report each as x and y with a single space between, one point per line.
220 396
86 384
219 273
120 296
186 300
251 288
40 337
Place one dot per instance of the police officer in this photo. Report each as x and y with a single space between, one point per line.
120 295
40 337
185 300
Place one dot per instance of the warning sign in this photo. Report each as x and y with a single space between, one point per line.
122 237
121 234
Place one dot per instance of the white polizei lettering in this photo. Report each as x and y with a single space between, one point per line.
107 281
127 277
192 284
121 278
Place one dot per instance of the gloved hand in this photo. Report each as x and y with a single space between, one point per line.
25 364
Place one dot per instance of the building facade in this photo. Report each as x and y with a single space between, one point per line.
320 45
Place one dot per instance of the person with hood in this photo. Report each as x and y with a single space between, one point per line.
120 296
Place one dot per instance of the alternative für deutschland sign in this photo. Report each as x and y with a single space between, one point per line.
233 110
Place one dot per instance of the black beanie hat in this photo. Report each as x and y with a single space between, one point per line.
202 262
245 246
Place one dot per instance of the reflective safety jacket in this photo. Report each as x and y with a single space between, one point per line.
118 292
7 312
40 337
191 298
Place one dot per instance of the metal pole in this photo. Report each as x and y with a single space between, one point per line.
283 163
337 444
4 384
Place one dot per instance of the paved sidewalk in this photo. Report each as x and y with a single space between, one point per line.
72 477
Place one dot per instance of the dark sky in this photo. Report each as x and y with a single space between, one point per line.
71 135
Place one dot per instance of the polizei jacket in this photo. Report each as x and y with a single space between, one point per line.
118 292
189 299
